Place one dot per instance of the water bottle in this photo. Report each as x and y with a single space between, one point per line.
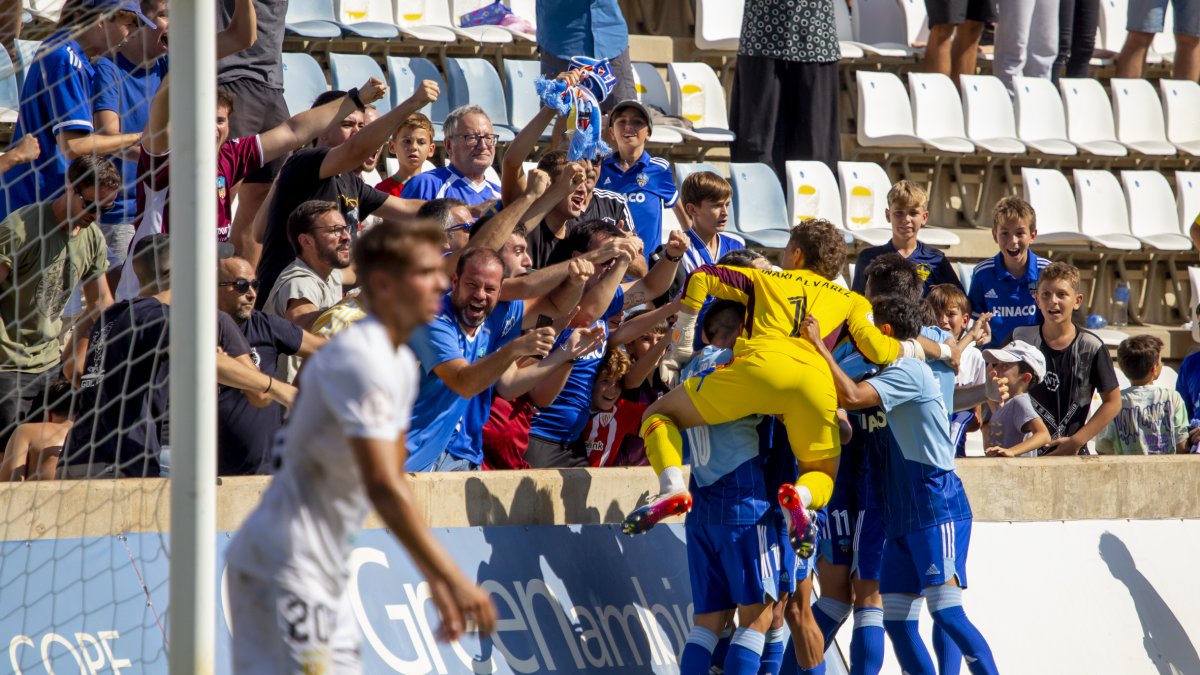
1120 304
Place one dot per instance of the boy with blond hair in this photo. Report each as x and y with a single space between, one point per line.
1005 284
705 197
908 212
1152 420
412 145
1077 366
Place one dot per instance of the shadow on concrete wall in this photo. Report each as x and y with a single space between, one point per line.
1166 642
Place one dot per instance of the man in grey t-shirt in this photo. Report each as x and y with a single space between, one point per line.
313 282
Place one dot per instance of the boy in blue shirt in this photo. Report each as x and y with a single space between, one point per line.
1005 285
645 181
927 518
908 212
705 197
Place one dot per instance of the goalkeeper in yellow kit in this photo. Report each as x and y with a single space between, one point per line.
773 372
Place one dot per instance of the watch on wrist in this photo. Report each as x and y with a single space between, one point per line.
354 98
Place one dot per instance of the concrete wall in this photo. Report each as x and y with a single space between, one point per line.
1036 489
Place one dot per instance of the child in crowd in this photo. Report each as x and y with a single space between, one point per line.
613 428
1077 365
1005 284
908 211
1152 420
947 308
705 197
644 334
1015 427
35 447
647 182
412 145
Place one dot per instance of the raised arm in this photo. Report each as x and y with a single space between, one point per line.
242 31
495 232
469 379
520 380
26 150
352 153
658 280
851 395
157 136
512 171
563 300
600 296
302 128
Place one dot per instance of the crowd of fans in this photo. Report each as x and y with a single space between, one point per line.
547 348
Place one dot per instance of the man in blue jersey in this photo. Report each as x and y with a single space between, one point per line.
555 429
472 345
471 145
1006 284
645 181
733 552
927 518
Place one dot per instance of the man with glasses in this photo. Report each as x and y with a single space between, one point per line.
471 145
453 216
313 282
46 250
246 431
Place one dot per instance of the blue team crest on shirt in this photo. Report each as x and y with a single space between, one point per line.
220 187
642 179
510 323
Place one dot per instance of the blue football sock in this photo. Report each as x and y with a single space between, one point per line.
945 606
772 656
745 652
830 615
949 658
718 656
866 647
900 615
697 652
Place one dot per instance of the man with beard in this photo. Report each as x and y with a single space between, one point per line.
246 432
472 346
313 282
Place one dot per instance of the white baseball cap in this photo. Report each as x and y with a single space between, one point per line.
1019 351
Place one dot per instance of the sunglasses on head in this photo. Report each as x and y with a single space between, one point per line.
242 286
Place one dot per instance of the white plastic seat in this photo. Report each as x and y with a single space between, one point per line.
367 18
413 22
990 121
845 33
652 91
864 201
312 19
1139 117
1153 217
351 70
1089 117
476 81
885 25
1163 45
1051 196
812 192
403 75
937 111
697 95
1181 100
718 24
461 7
303 81
684 169
1041 120
759 204
1103 213
1110 29
47 10
1187 185
437 13
885 118
10 95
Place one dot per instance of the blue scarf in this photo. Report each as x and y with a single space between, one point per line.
580 104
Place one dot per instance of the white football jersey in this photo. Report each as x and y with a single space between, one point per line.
357 386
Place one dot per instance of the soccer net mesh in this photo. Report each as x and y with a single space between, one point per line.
83 366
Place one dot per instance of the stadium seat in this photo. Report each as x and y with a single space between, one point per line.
26 50
670 222
885 117
10 95
812 193
1089 117
685 169
413 23
475 81
845 32
937 110
891 25
990 122
303 81
1153 216
520 92
1187 185
864 198
46 10
351 70
312 19
1041 121
371 19
437 13
1110 31
761 212
697 96
965 275
1103 213
718 24
461 7
404 73
393 166
652 92
1181 100
1139 117
1050 195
